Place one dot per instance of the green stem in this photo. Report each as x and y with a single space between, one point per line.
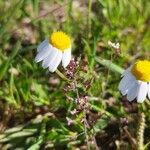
89 17
62 76
147 102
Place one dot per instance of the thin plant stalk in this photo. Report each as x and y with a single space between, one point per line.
89 17
140 133
62 75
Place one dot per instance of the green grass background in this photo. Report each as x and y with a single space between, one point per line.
33 105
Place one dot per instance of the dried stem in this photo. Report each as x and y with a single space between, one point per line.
131 139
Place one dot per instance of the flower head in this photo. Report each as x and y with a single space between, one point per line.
60 40
54 50
136 81
141 70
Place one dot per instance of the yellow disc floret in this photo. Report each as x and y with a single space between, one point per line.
141 70
60 40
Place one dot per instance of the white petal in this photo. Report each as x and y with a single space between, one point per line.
133 91
126 83
149 90
46 61
126 71
50 58
142 92
42 45
123 83
54 64
66 57
43 53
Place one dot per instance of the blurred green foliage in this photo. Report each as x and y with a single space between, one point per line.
35 97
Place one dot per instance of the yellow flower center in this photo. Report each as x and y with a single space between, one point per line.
141 70
60 40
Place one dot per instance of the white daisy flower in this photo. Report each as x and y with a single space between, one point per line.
54 50
135 81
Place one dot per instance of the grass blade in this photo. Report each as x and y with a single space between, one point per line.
107 63
5 65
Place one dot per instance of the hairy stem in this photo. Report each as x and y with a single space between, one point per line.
140 133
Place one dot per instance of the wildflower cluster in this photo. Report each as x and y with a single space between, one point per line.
135 81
